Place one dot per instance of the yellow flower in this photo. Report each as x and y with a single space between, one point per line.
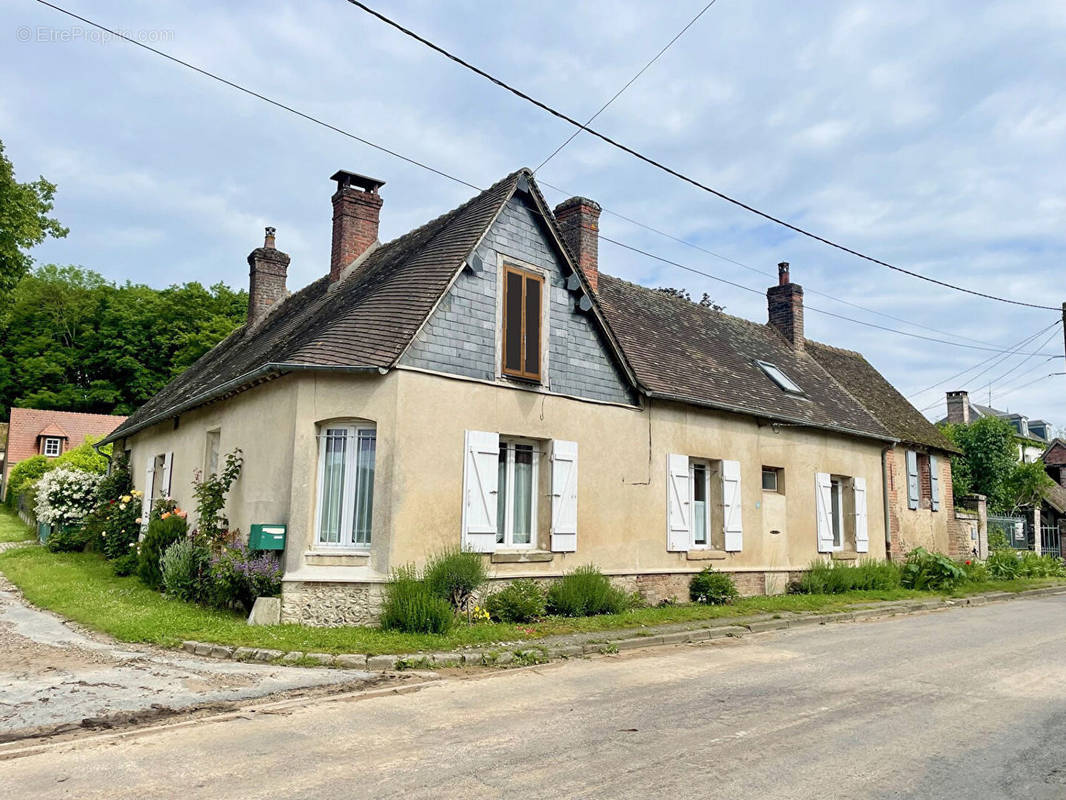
125 499
136 493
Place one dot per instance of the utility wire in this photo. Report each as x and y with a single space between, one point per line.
443 174
1025 360
675 173
631 81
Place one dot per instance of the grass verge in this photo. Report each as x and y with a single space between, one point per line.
12 528
82 587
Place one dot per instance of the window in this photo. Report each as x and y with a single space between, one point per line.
346 456
211 453
52 446
771 479
700 480
521 323
516 506
843 522
838 514
779 377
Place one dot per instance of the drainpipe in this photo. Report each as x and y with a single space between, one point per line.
884 497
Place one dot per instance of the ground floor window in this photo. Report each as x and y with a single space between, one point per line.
700 480
837 505
841 513
347 453
516 506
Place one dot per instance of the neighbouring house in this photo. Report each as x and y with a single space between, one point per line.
920 511
3 455
1053 510
1031 435
478 382
34 431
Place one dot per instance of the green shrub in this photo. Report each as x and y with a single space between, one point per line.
67 539
1003 565
930 571
119 528
1042 566
585 592
456 575
184 567
238 576
712 588
125 565
411 606
83 458
976 571
161 534
22 475
520 601
997 540
833 577
117 482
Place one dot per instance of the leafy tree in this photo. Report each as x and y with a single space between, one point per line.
682 294
989 466
24 222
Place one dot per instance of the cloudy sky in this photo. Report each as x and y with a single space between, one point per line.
930 135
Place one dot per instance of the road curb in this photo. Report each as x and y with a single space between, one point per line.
533 652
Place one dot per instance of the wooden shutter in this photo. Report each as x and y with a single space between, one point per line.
862 532
823 497
164 484
732 506
678 505
934 482
480 491
522 308
912 480
564 496
146 499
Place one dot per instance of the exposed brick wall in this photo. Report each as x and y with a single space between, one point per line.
925 488
355 226
895 550
579 223
785 304
268 268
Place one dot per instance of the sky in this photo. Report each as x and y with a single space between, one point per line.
928 135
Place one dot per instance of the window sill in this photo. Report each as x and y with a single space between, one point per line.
521 556
845 555
705 555
340 558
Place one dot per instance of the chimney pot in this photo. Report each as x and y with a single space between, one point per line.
579 223
356 214
268 269
785 305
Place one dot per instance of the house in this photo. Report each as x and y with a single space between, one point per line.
3 454
1031 435
1053 510
478 382
34 431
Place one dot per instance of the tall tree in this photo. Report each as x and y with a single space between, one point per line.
24 222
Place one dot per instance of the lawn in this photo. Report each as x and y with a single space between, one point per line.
82 587
12 529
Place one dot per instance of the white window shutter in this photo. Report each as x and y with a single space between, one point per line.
168 463
480 491
146 499
564 496
678 505
862 525
934 482
823 496
732 506
912 480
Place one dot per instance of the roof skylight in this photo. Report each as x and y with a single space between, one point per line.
779 377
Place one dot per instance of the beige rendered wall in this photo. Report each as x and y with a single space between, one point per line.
920 527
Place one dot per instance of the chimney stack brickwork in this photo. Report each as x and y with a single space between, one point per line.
356 214
785 306
579 222
958 408
268 269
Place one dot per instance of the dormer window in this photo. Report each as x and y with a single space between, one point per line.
53 445
779 377
522 304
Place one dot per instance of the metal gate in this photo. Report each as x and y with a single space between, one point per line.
1050 543
1014 528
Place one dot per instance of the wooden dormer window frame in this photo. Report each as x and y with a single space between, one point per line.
523 325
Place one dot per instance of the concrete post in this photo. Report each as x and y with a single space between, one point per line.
1038 545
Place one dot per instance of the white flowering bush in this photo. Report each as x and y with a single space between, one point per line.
66 496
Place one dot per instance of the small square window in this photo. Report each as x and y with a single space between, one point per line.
52 446
780 378
771 479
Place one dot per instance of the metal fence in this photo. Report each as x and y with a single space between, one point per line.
1014 528
1050 542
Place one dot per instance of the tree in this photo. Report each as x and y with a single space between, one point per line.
682 294
989 466
24 222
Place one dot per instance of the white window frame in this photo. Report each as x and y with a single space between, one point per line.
778 376
776 471
48 442
348 494
836 487
708 516
507 444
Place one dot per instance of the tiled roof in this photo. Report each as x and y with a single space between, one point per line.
693 354
27 424
52 430
879 397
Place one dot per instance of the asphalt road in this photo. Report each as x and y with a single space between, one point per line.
967 703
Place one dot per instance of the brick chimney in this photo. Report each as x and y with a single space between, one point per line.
356 212
579 223
785 304
268 268
959 408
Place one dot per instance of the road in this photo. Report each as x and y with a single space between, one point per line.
967 703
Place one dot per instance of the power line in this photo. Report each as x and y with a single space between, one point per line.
443 174
675 173
631 81
1025 360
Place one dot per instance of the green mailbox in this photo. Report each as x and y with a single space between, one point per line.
267 537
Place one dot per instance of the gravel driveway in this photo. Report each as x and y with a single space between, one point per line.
51 674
